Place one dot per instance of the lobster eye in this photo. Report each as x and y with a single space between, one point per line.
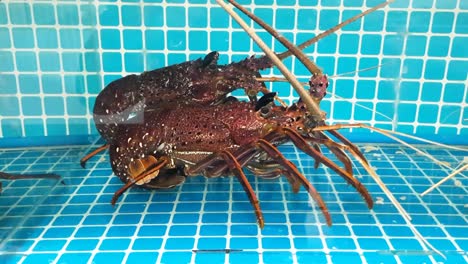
265 100
265 111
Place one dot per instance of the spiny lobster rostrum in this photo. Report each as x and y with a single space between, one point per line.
179 121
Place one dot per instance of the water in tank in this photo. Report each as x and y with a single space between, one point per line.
182 131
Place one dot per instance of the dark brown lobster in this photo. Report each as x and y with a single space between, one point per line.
157 143
163 150
200 81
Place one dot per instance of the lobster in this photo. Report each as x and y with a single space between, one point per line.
201 81
151 145
162 151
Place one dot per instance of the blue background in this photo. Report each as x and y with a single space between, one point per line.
56 57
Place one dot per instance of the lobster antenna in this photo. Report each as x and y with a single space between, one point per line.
297 51
314 69
320 36
390 133
453 174
365 107
312 106
278 79
361 70
395 202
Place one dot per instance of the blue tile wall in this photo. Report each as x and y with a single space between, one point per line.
57 56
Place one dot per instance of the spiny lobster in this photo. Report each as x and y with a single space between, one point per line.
222 139
175 134
201 81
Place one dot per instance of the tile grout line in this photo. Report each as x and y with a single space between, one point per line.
229 221
87 213
5 240
170 221
420 200
378 222
199 223
41 200
389 163
314 212
16 72
439 225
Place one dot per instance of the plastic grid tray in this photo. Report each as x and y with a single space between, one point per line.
44 221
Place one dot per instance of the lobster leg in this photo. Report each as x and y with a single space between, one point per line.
349 144
234 166
264 173
273 173
292 169
10 176
244 156
92 154
291 172
302 144
319 150
338 151
149 170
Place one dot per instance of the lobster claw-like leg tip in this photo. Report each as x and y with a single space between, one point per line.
261 224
